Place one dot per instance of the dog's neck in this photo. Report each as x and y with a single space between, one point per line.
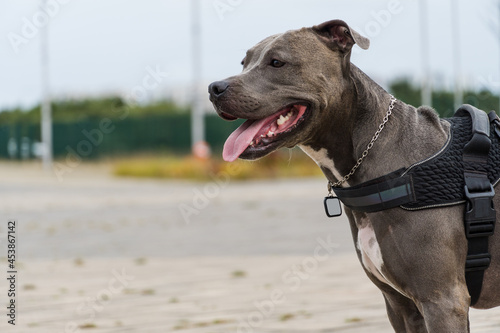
354 120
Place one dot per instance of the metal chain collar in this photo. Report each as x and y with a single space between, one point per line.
368 148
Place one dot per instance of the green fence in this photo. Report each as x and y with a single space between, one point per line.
111 137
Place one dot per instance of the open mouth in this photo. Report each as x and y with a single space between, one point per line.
264 134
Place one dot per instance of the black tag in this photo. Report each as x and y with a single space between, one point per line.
332 206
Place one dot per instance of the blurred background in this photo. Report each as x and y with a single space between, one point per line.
110 161
146 67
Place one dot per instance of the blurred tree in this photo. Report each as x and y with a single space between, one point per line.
443 100
403 90
65 111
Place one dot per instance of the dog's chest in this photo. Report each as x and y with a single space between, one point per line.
371 255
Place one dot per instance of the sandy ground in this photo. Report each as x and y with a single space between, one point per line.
99 254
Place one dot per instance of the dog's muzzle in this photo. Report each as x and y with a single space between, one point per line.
217 89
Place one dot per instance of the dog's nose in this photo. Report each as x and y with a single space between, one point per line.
218 88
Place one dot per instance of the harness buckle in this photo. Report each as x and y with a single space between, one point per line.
477 262
480 215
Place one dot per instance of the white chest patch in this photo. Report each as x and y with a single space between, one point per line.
321 158
371 256
370 251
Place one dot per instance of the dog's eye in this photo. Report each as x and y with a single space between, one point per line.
243 61
277 63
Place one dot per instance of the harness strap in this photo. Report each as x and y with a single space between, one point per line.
480 215
389 191
495 120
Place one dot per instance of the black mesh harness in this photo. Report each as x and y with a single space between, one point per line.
464 171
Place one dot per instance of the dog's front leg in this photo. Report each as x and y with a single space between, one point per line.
424 256
417 260
424 261
441 316
448 310
403 314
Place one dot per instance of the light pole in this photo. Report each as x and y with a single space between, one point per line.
426 87
455 32
197 117
46 121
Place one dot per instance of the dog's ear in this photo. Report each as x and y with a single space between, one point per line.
338 34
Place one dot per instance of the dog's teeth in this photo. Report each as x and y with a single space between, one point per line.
262 136
281 120
270 134
252 143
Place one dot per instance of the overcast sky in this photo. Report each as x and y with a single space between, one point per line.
100 47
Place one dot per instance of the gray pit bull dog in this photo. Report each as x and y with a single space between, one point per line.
299 88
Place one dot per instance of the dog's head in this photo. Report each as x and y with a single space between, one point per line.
288 82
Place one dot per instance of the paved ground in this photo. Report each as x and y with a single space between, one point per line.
98 254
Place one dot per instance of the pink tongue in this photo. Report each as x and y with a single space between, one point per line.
240 139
